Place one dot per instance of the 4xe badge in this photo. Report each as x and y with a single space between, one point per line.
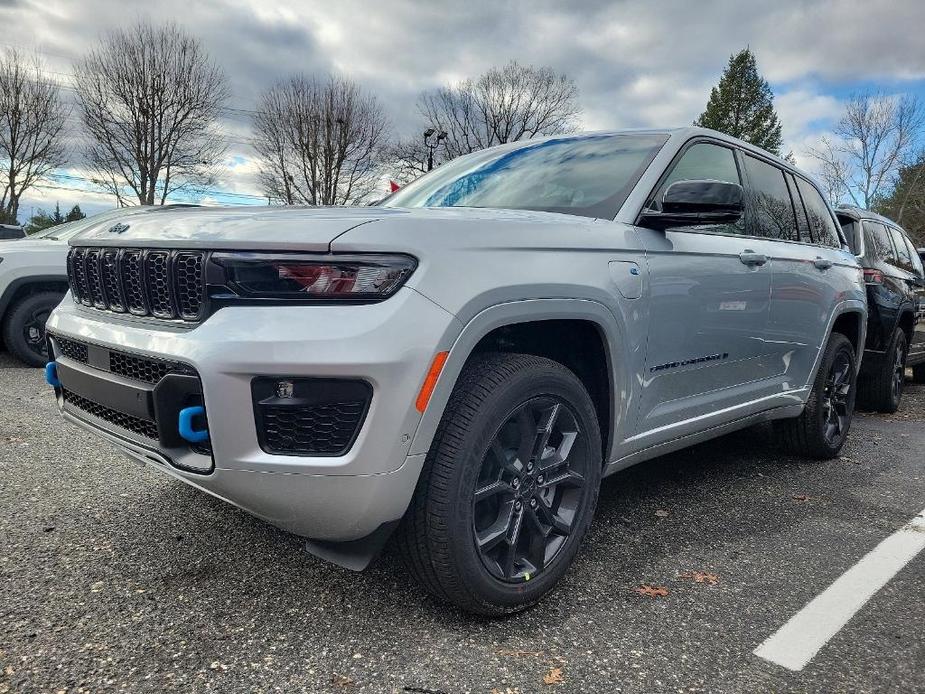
118 228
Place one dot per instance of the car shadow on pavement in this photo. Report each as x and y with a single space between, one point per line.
185 540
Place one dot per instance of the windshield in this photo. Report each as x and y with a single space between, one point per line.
588 175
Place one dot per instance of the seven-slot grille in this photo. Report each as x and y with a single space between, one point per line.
159 283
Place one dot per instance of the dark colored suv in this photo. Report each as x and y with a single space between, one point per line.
896 306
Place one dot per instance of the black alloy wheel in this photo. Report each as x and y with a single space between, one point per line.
898 379
836 401
509 487
33 331
529 489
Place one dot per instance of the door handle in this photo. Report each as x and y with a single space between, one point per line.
822 263
751 258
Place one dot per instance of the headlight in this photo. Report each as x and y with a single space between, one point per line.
307 277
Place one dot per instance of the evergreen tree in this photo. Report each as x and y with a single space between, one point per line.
42 220
742 105
75 214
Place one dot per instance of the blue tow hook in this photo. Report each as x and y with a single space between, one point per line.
51 374
185 424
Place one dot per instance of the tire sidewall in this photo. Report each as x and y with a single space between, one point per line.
524 386
899 341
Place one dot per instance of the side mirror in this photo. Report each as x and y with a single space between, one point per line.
694 203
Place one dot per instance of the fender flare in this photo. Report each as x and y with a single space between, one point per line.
526 311
16 284
847 306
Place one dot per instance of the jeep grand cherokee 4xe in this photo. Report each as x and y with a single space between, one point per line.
464 363
895 283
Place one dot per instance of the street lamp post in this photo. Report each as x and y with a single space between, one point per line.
432 144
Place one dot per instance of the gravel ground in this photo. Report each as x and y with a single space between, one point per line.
116 578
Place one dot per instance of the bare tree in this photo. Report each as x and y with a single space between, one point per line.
150 98
505 104
871 142
407 158
320 142
32 118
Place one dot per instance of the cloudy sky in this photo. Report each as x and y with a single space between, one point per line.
637 63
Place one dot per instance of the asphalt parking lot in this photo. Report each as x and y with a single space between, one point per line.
115 578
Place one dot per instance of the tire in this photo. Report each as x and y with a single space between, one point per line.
882 390
478 446
811 433
918 373
24 327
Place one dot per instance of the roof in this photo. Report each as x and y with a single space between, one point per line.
859 213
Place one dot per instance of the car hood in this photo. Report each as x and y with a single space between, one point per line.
268 228
30 246
280 228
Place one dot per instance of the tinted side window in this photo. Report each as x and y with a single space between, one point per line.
851 229
820 219
769 209
916 260
703 161
877 243
903 257
802 222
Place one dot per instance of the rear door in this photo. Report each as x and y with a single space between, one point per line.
811 272
708 304
886 290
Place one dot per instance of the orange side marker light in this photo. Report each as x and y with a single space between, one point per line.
436 366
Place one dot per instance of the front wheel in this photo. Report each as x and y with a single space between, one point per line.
509 486
24 327
820 431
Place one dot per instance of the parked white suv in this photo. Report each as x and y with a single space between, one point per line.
470 358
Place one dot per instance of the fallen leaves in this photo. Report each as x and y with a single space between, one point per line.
662 513
700 577
341 680
652 591
554 676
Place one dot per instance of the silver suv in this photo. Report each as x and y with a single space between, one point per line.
465 362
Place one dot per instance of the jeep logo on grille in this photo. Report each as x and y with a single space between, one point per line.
118 228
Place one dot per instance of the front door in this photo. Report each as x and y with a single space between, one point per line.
708 309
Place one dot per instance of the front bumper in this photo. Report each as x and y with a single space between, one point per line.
388 345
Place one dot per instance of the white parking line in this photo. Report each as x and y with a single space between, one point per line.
794 644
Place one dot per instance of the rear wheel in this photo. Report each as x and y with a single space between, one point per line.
882 389
820 431
509 486
24 327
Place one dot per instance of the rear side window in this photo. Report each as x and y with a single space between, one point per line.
820 219
916 259
851 229
878 243
769 208
903 255
703 161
